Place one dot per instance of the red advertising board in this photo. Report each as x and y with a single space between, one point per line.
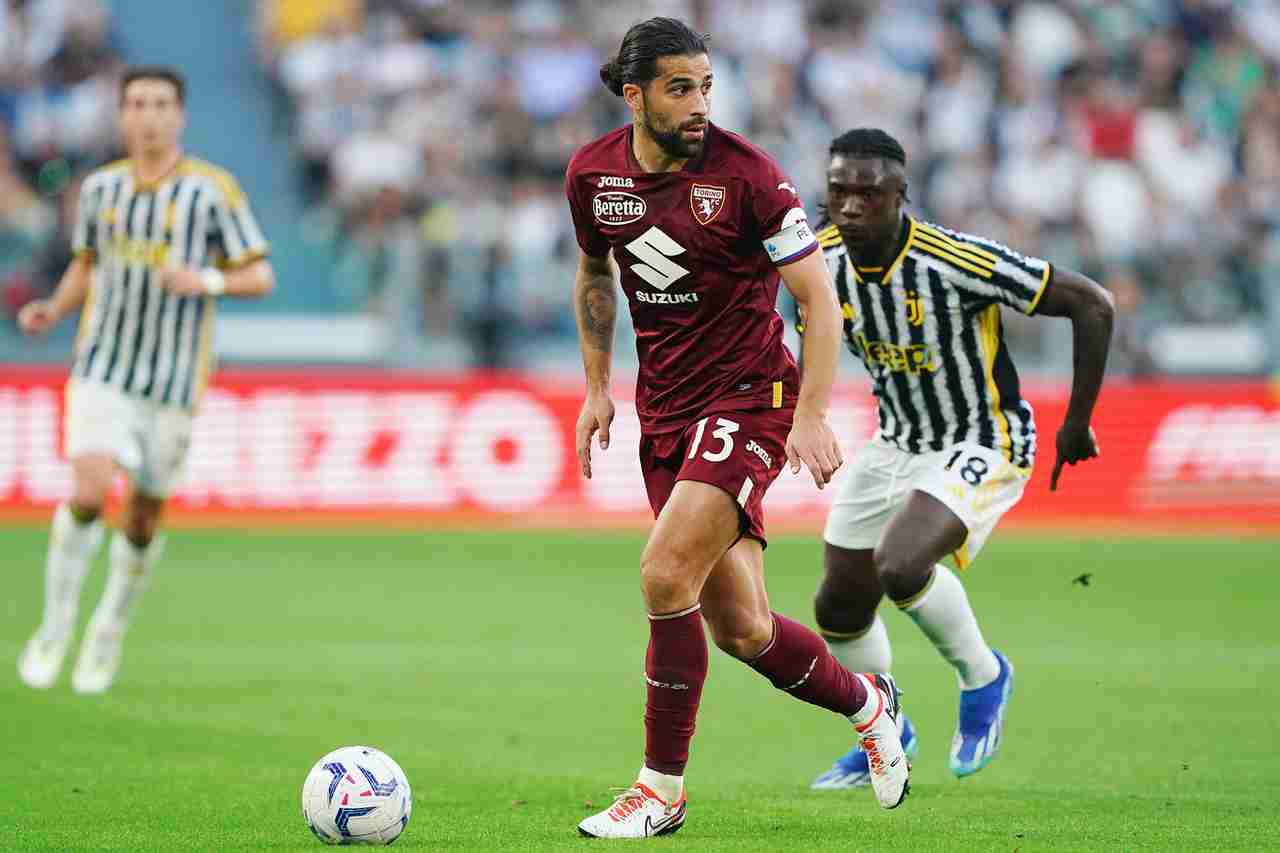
498 448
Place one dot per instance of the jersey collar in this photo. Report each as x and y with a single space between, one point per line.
878 275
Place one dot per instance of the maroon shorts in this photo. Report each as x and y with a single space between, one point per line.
740 452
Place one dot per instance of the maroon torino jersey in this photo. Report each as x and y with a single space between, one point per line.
697 249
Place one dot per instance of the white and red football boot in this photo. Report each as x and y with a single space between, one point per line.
636 813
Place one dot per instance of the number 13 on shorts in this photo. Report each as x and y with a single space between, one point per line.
722 430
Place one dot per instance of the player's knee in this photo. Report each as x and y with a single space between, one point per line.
840 611
901 574
141 522
88 504
139 531
92 478
89 498
666 581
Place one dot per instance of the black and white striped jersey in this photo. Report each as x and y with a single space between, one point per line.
134 335
928 330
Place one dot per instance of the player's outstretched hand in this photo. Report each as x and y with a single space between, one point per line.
182 281
1075 444
37 317
596 415
813 444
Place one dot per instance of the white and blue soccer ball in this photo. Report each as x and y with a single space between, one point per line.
356 795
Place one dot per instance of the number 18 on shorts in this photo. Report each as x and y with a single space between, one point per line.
977 483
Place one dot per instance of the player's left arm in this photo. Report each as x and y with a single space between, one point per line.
1091 310
251 281
811 441
245 271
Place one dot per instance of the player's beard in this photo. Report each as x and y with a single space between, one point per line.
672 142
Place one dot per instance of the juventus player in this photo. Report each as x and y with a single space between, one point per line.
956 441
702 227
159 237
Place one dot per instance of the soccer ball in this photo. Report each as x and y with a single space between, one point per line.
356 795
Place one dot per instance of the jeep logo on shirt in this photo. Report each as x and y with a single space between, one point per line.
618 208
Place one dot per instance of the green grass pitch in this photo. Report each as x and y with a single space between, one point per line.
503 671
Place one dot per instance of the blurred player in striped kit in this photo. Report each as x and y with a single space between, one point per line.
159 237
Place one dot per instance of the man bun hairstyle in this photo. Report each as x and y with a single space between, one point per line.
869 142
643 45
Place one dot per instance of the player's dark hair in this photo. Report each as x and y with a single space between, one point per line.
643 45
868 142
155 72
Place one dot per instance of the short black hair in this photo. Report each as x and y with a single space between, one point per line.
868 142
155 72
642 46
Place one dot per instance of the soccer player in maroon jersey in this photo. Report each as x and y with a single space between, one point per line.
701 225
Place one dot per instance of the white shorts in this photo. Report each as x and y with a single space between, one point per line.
147 439
977 483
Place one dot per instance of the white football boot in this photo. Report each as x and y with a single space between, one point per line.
636 813
99 659
41 659
882 743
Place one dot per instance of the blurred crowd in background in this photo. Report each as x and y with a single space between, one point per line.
1136 140
58 77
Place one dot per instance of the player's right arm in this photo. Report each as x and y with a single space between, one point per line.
595 302
1091 310
40 315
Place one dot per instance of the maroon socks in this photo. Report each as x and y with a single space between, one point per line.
674 668
798 662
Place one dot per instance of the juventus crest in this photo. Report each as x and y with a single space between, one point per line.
915 309
706 202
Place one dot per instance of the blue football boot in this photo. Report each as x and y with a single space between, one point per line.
981 724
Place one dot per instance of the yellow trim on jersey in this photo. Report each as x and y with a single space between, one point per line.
893 267
777 395
225 180
829 237
243 262
989 326
141 186
870 269
977 251
1044 283
204 367
942 254
958 249
961 555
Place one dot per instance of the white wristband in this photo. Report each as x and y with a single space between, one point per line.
215 283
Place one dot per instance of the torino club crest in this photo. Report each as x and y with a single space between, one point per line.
706 202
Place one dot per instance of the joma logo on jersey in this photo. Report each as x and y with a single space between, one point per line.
706 202
752 447
143 252
898 359
617 208
616 182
